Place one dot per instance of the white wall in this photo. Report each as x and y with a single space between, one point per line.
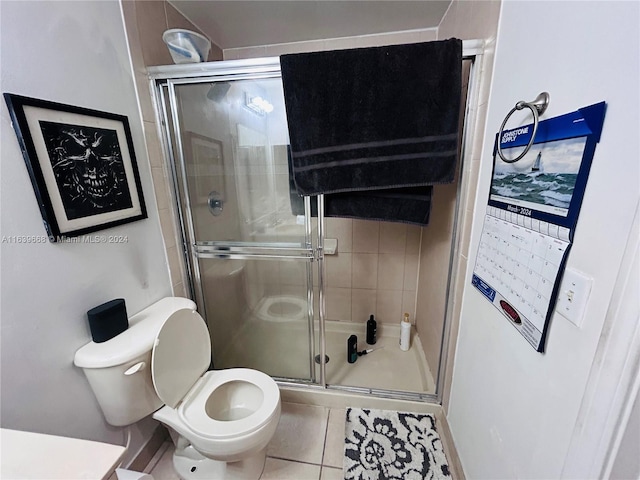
74 53
513 410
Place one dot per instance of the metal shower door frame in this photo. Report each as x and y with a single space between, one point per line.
164 81
270 68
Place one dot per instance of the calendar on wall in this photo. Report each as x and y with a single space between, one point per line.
531 217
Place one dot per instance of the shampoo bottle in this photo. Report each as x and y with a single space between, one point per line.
405 333
371 331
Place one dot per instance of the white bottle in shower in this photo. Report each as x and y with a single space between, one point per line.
405 333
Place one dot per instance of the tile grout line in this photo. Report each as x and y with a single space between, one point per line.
324 443
294 461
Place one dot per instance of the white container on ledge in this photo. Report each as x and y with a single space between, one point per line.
405 333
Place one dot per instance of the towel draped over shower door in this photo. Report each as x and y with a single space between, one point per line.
374 128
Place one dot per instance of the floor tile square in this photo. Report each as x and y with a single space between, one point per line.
276 469
334 444
300 434
329 473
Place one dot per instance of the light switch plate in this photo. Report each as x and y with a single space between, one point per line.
573 295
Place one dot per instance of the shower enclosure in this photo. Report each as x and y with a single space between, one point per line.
254 253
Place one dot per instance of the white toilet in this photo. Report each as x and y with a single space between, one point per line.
224 419
282 308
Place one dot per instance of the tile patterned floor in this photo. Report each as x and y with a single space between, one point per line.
314 455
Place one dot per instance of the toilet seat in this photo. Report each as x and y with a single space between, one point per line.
181 355
193 410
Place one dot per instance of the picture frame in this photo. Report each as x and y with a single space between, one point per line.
204 161
81 163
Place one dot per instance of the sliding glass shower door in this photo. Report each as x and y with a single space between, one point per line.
248 243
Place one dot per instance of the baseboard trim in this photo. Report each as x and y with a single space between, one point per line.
457 473
159 436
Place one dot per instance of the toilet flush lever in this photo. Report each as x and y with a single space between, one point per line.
135 368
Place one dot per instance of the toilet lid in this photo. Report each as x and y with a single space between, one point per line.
181 354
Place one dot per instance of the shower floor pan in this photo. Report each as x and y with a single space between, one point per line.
281 349
387 367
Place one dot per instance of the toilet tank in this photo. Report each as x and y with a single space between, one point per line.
119 370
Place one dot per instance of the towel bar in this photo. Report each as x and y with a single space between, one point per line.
537 107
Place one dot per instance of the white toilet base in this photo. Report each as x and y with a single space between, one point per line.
191 465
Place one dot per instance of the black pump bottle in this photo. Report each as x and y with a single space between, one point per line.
371 330
352 349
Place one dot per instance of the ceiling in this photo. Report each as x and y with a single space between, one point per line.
239 23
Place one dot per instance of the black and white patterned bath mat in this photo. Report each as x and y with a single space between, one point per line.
385 445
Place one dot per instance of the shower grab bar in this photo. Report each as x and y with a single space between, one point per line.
537 107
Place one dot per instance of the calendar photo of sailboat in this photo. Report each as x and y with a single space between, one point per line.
537 162
543 180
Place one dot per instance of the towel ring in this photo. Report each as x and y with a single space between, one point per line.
537 107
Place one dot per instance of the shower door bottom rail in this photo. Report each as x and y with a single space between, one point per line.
382 393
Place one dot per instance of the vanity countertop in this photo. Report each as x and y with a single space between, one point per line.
27 455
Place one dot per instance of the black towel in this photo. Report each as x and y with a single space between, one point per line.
373 118
404 205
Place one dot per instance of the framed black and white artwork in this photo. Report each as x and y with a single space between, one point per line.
81 163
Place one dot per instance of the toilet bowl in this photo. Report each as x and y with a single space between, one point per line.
227 414
224 418
282 308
